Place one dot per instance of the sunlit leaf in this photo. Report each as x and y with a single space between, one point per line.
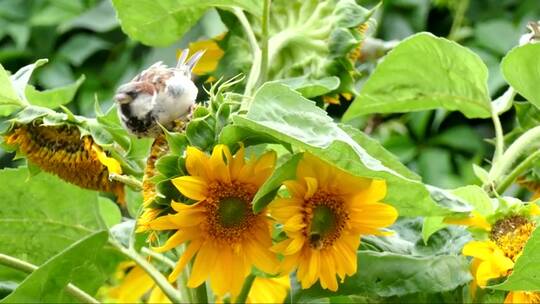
425 72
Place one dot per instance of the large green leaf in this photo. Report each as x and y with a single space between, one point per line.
526 272
53 98
285 115
46 284
425 72
9 100
144 20
521 68
269 189
389 274
45 214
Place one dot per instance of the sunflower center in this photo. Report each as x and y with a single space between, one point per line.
326 217
511 235
229 211
232 211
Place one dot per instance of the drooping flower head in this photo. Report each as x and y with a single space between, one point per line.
63 151
221 228
327 212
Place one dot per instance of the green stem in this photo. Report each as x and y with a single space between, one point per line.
458 19
499 136
256 66
131 181
159 257
519 170
199 294
248 282
264 41
511 155
156 276
23 266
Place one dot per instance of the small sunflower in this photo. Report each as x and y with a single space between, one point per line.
221 228
495 258
327 212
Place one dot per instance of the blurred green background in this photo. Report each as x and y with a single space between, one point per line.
83 37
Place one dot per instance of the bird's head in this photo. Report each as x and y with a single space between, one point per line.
127 93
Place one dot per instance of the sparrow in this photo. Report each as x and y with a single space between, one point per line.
158 96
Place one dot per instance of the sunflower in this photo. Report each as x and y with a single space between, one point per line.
327 212
495 258
221 228
65 152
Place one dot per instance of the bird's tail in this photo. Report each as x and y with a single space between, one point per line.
188 65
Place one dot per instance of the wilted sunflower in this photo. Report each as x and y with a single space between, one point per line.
495 258
327 212
62 150
221 228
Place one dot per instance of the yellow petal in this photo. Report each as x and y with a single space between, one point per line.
311 185
133 286
157 296
191 186
260 255
113 166
211 57
475 220
295 188
369 218
221 277
219 159
174 241
197 163
204 264
191 249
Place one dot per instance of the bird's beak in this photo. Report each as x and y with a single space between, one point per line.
122 98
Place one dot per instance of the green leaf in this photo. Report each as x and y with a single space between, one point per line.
100 18
312 87
46 284
425 72
520 68
109 211
431 225
268 190
476 197
20 79
389 274
144 20
283 114
526 273
81 46
44 206
53 98
9 100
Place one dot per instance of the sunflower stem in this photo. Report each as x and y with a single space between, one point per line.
248 282
499 136
23 266
156 276
257 56
526 141
131 181
264 41
520 169
199 294
159 257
